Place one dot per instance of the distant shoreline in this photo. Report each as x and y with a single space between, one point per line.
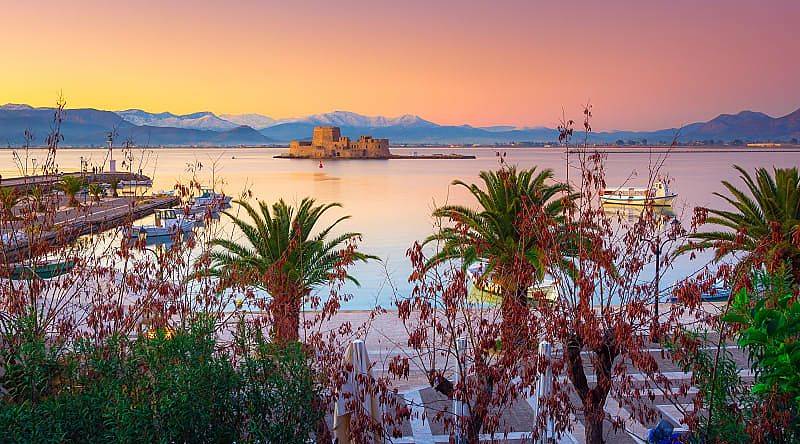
635 149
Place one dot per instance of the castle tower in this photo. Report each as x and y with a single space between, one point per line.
324 135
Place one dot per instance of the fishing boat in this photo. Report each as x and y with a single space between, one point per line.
168 222
41 269
208 196
657 195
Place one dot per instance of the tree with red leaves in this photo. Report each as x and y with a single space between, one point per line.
599 314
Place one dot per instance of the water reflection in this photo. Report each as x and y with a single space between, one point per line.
632 213
391 201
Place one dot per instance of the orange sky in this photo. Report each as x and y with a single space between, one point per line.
643 64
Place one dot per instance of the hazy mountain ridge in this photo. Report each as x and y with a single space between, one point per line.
88 127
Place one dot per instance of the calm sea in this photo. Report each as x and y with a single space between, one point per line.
390 201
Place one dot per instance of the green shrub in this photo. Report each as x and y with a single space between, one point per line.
279 393
770 322
723 393
170 387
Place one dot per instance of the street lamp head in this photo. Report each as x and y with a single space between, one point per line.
675 228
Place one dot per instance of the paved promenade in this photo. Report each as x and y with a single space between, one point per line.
386 337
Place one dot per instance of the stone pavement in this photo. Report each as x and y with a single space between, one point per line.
517 421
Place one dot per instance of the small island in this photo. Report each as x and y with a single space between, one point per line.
328 143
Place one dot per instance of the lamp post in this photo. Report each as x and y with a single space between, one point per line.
657 246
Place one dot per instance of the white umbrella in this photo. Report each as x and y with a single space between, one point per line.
460 408
544 388
356 355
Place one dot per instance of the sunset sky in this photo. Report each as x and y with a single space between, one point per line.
642 64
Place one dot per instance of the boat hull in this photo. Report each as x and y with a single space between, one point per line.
42 271
151 231
663 201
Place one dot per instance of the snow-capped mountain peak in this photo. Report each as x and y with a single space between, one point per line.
15 107
256 121
201 120
347 118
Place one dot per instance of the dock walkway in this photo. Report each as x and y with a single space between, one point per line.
48 181
91 218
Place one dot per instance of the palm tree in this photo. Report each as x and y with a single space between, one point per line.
282 256
37 198
71 186
96 191
763 225
114 187
492 234
9 198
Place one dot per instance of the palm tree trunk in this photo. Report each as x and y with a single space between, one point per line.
286 315
513 308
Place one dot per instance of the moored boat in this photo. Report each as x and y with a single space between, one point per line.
657 195
13 238
41 269
484 291
168 223
720 292
209 200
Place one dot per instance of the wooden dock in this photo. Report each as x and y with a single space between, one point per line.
46 182
92 218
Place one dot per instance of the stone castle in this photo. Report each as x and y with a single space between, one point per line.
328 143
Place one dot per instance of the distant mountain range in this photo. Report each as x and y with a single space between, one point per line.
89 127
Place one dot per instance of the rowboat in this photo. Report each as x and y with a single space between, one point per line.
43 270
657 195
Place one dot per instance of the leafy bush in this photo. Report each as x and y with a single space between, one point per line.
770 321
279 393
721 390
765 321
165 387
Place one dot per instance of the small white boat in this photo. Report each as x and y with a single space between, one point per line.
163 193
168 222
658 195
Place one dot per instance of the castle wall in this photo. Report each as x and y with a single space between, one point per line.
328 143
